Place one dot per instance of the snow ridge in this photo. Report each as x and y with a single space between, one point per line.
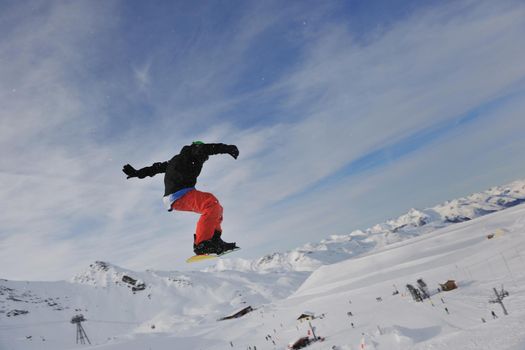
415 222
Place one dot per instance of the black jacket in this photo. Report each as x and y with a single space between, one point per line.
182 170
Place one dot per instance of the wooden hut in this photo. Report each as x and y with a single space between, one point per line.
306 316
448 285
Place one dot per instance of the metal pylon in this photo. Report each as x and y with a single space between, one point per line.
81 333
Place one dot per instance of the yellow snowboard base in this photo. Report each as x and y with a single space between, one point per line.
197 258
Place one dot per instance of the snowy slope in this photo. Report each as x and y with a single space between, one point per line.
461 252
175 310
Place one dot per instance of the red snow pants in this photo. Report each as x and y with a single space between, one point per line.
205 204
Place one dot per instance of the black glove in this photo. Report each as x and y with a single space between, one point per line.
130 171
233 151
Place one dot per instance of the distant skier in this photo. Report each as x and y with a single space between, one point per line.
180 177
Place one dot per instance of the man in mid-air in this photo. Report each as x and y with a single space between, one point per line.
180 177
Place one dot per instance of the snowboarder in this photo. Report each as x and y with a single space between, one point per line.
180 178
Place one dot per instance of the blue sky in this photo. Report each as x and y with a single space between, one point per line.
346 113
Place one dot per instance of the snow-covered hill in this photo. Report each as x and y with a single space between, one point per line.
347 283
36 315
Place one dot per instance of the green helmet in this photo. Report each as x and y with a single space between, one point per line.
197 143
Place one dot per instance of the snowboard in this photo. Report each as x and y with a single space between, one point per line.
202 257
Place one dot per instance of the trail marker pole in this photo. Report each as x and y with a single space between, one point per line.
312 328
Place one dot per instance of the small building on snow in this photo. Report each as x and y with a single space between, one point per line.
448 285
238 314
306 316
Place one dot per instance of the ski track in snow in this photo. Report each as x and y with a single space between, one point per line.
353 274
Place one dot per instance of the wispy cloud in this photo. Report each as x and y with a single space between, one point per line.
79 102
143 76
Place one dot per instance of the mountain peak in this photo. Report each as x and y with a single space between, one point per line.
100 274
414 223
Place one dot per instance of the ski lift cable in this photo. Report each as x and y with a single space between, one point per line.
117 322
18 326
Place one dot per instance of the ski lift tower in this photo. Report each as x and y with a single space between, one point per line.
81 333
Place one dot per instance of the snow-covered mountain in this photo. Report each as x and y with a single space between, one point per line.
37 315
414 223
352 287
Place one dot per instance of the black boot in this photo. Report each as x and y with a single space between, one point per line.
224 246
205 247
215 245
